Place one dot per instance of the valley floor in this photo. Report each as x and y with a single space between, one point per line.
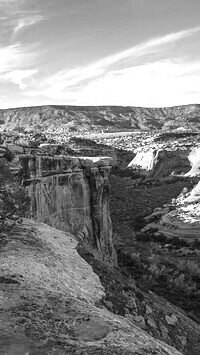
166 265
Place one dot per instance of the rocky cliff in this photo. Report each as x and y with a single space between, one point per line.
162 162
183 221
52 303
72 194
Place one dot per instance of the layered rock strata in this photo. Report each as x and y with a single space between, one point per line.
181 218
72 194
184 220
162 162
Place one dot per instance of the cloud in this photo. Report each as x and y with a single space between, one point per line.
65 79
153 45
16 64
18 77
17 15
162 83
16 56
71 77
27 21
117 80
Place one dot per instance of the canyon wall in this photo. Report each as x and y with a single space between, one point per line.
162 162
72 194
52 302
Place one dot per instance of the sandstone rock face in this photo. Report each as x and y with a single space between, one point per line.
49 297
194 158
184 220
181 217
73 195
159 163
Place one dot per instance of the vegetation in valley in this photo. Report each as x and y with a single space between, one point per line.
167 266
13 199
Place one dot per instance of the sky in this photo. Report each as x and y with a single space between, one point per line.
99 52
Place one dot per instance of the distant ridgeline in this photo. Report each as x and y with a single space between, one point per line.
85 119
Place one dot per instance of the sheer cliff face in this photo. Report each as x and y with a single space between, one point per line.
49 297
73 195
161 163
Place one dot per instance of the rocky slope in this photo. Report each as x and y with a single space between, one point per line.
86 119
52 302
183 220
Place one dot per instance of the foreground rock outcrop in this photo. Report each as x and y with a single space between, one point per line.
51 302
72 194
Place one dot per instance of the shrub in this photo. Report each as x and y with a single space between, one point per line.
127 172
5 173
178 242
138 223
196 244
160 238
143 237
13 200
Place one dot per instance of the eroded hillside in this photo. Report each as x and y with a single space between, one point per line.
90 119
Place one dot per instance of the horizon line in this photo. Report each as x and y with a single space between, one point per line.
60 105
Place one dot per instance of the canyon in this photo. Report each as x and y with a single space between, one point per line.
84 271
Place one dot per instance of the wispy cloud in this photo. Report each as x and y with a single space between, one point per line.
16 57
116 79
72 77
18 15
19 77
162 83
16 64
107 75
25 22
152 45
